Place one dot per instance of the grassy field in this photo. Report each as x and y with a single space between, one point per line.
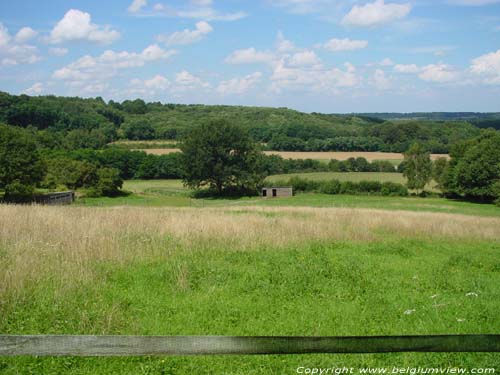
171 193
245 271
343 176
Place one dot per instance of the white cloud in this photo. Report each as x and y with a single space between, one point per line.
380 81
305 58
438 73
36 89
202 2
473 2
13 51
77 25
239 85
105 66
317 78
249 56
202 10
336 45
284 45
375 14
187 36
406 68
488 67
58 51
25 34
137 5
185 81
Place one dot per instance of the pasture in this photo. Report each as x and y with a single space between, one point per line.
171 193
245 271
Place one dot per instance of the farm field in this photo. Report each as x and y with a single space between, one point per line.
245 271
370 156
343 176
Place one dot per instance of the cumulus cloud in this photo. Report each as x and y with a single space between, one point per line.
438 73
406 68
25 34
375 14
185 81
317 79
239 86
88 68
488 67
283 44
201 9
336 45
36 89
304 58
77 25
187 36
249 56
14 50
137 5
380 81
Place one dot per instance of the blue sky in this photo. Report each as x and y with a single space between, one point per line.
333 56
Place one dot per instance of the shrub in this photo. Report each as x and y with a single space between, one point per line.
369 187
330 187
16 192
393 189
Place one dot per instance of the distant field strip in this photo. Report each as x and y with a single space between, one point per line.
370 156
343 176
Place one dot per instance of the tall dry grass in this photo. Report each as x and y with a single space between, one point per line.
66 242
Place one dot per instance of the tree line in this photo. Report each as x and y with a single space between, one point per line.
74 123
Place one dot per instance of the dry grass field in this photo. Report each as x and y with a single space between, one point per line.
60 241
370 156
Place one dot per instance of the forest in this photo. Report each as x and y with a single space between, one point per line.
76 123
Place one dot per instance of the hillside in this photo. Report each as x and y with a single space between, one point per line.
74 123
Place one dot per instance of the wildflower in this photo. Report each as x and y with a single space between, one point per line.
471 294
409 312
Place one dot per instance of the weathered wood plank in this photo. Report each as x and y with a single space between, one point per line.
65 345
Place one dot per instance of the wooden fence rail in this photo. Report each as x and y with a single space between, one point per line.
65 345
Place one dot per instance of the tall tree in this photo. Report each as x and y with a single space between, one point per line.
222 156
418 167
474 169
21 166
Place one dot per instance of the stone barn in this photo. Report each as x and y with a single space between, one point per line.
277 191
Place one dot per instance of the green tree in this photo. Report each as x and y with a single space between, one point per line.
109 183
439 170
21 167
475 167
418 167
222 156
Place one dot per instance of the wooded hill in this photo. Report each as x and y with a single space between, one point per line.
71 123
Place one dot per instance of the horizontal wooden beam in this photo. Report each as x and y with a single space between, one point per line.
66 345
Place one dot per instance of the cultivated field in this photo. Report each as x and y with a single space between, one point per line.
245 271
370 156
343 176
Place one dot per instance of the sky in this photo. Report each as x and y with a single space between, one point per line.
330 56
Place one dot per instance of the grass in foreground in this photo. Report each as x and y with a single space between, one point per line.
245 271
